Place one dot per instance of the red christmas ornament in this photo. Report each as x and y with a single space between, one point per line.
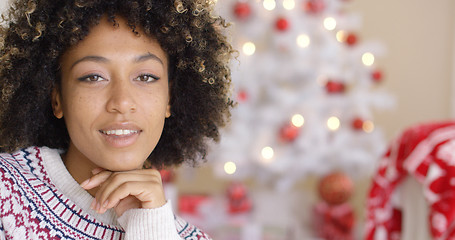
357 124
242 10
289 133
334 222
282 24
166 175
314 6
351 39
376 75
334 87
189 204
335 188
242 96
239 202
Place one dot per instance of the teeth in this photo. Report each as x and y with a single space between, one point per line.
120 132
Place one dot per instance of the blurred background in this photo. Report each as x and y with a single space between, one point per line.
282 164
323 86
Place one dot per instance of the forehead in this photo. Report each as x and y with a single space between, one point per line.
109 38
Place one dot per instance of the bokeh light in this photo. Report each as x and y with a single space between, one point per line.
330 23
249 48
288 4
267 153
368 126
297 120
230 168
269 4
303 40
368 59
333 123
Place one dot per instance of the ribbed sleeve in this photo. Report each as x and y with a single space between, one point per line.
150 224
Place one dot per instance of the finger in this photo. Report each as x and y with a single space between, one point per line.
117 179
123 205
150 195
97 170
96 180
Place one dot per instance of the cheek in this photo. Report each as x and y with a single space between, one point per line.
79 108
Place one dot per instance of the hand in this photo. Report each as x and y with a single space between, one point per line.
126 190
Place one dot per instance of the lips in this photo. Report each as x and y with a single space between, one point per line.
120 135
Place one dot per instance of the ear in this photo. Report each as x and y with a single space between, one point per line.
57 103
168 110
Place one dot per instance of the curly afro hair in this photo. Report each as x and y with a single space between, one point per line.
36 33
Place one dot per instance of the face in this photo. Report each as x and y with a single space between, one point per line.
114 97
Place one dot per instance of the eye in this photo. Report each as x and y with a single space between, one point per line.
147 78
91 78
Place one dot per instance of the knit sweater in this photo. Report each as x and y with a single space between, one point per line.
41 200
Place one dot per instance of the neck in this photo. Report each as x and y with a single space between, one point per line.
79 166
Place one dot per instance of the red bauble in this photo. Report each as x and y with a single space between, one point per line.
334 87
242 96
242 10
236 191
314 6
351 39
282 24
166 175
239 202
357 124
289 133
376 75
189 204
335 188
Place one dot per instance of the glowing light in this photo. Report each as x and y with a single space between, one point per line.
341 36
288 4
330 23
333 123
249 48
368 59
303 40
267 153
368 126
269 4
297 120
230 168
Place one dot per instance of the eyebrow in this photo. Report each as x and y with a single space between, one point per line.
142 58
148 56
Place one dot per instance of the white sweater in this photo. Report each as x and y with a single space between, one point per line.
41 200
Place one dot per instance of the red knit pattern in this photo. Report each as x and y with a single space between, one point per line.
427 153
33 208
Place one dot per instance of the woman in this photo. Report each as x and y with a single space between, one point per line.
121 89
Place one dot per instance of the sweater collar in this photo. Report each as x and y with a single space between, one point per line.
65 183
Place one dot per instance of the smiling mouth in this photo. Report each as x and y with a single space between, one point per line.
119 132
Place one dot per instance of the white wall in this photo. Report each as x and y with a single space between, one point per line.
420 37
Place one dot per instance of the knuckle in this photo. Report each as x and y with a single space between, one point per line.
116 177
126 185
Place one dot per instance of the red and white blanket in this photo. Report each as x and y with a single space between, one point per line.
427 153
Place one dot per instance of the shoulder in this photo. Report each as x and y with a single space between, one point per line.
21 159
22 164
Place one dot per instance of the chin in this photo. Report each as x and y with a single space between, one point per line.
121 166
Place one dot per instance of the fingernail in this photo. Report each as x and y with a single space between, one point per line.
93 204
85 183
97 170
103 210
98 206
105 204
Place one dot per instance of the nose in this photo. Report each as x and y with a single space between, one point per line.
120 97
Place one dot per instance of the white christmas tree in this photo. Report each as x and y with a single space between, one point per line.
306 87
